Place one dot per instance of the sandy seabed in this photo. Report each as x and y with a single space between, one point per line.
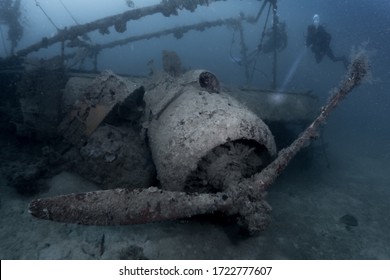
308 202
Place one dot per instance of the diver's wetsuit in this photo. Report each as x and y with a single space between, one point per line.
319 41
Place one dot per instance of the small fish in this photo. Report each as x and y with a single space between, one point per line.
349 221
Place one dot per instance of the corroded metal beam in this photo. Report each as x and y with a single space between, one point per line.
177 32
119 21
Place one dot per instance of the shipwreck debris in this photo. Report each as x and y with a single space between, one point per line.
171 63
177 32
106 92
102 122
10 14
116 156
40 94
246 197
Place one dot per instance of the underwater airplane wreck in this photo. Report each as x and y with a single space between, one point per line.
171 145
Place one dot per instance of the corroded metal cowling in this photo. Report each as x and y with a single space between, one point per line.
189 117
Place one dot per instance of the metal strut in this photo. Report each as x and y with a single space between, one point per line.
275 54
43 11
69 13
251 58
167 8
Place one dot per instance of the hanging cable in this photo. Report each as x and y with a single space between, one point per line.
69 13
238 61
3 40
43 11
232 58
261 10
256 53
265 26
84 43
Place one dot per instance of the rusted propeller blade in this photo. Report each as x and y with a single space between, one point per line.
126 207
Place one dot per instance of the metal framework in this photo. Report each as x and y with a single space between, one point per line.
70 36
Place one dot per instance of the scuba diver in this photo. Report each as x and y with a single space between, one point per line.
318 40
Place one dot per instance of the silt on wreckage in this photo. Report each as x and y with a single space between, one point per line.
171 145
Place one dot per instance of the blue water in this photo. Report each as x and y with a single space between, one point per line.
293 69
353 178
